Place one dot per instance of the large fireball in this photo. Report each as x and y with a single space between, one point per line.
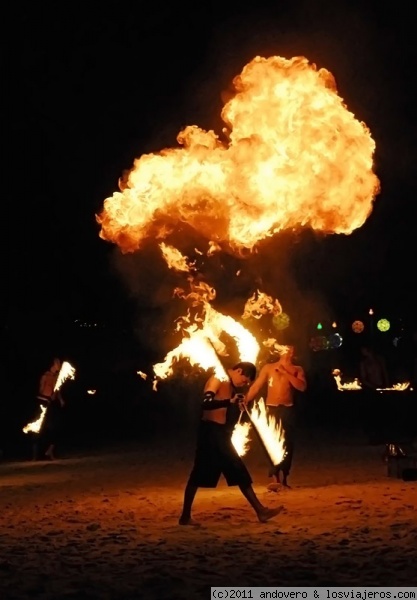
295 156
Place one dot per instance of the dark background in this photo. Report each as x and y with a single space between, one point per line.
90 89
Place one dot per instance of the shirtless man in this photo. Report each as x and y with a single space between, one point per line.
281 378
53 401
215 453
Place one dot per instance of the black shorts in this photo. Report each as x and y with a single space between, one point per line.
216 455
285 414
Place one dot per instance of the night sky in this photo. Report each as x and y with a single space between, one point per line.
91 90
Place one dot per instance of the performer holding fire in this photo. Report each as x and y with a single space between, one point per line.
215 453
281 378
51 399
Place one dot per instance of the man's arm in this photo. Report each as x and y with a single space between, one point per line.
210 390
295 376
257 385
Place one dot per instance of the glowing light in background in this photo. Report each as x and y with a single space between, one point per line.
319 342
383 325
281 321
358 326
335 341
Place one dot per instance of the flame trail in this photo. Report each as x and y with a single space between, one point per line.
36 426
241 437
66 371
269 431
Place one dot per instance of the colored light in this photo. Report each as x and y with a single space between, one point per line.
383 325
281 321
358 326
335 341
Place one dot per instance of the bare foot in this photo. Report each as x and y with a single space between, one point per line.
188 521
269 513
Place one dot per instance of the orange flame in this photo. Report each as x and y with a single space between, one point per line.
351 386
260 304
35 426
198 350
201 344
241 438
274 346
67 371
295 156
269 430
174 259
397 387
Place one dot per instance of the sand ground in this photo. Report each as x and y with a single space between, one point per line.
104 525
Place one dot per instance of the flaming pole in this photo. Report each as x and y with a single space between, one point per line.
262 442
66 371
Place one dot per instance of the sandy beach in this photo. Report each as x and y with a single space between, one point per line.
104 525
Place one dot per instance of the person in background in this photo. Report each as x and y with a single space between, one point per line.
52 400
281 379
373 376
373 370
215 453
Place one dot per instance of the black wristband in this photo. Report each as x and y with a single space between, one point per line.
214 404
